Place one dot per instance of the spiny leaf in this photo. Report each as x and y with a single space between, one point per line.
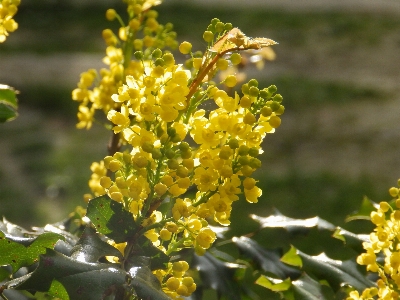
292 258
307 288
268 260
144 282
363 213
111 219
335 272
277 220
218 275
90 248
273 284
89 281
18 252
351 239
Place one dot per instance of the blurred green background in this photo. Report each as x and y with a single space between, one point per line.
337 69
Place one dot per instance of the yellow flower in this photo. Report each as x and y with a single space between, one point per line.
205 179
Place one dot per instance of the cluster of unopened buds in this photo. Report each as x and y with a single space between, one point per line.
382 254
8 8
175 162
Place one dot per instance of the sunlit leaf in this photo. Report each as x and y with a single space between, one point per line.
277 220
273 284
18 252
292 258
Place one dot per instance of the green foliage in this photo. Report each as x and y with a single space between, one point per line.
8 103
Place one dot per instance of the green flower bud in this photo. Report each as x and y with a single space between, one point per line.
254 91
169 153
208 36
233 143
253 152
157 53
243 150
228 26
236 58
245 89
147 147
184 146
253 82
138 55
275 106
272 89
173 164
219 27
255 163
278 98
156 153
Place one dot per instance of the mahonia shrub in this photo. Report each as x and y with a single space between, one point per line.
174 165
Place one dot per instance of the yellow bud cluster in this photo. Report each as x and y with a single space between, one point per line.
174 280
383 240
8 8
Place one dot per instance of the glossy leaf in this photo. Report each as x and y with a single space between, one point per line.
8 103
144 282
90 248
277 220
218 275
81 280
335 272
18 252
351 240
307 288
111 219
268 260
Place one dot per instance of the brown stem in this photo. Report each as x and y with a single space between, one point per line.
114 145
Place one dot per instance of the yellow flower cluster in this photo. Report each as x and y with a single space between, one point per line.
185 147
384 241
8 8
95 88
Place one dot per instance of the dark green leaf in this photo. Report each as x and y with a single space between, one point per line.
82 280
111 219
367 206
335 272
352 240
90 248
268 260
306 288
145 284
18 252
7 113
145 247
218 275
12 229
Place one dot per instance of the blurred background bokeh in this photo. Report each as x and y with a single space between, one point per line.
337 66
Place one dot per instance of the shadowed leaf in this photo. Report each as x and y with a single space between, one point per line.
111 219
